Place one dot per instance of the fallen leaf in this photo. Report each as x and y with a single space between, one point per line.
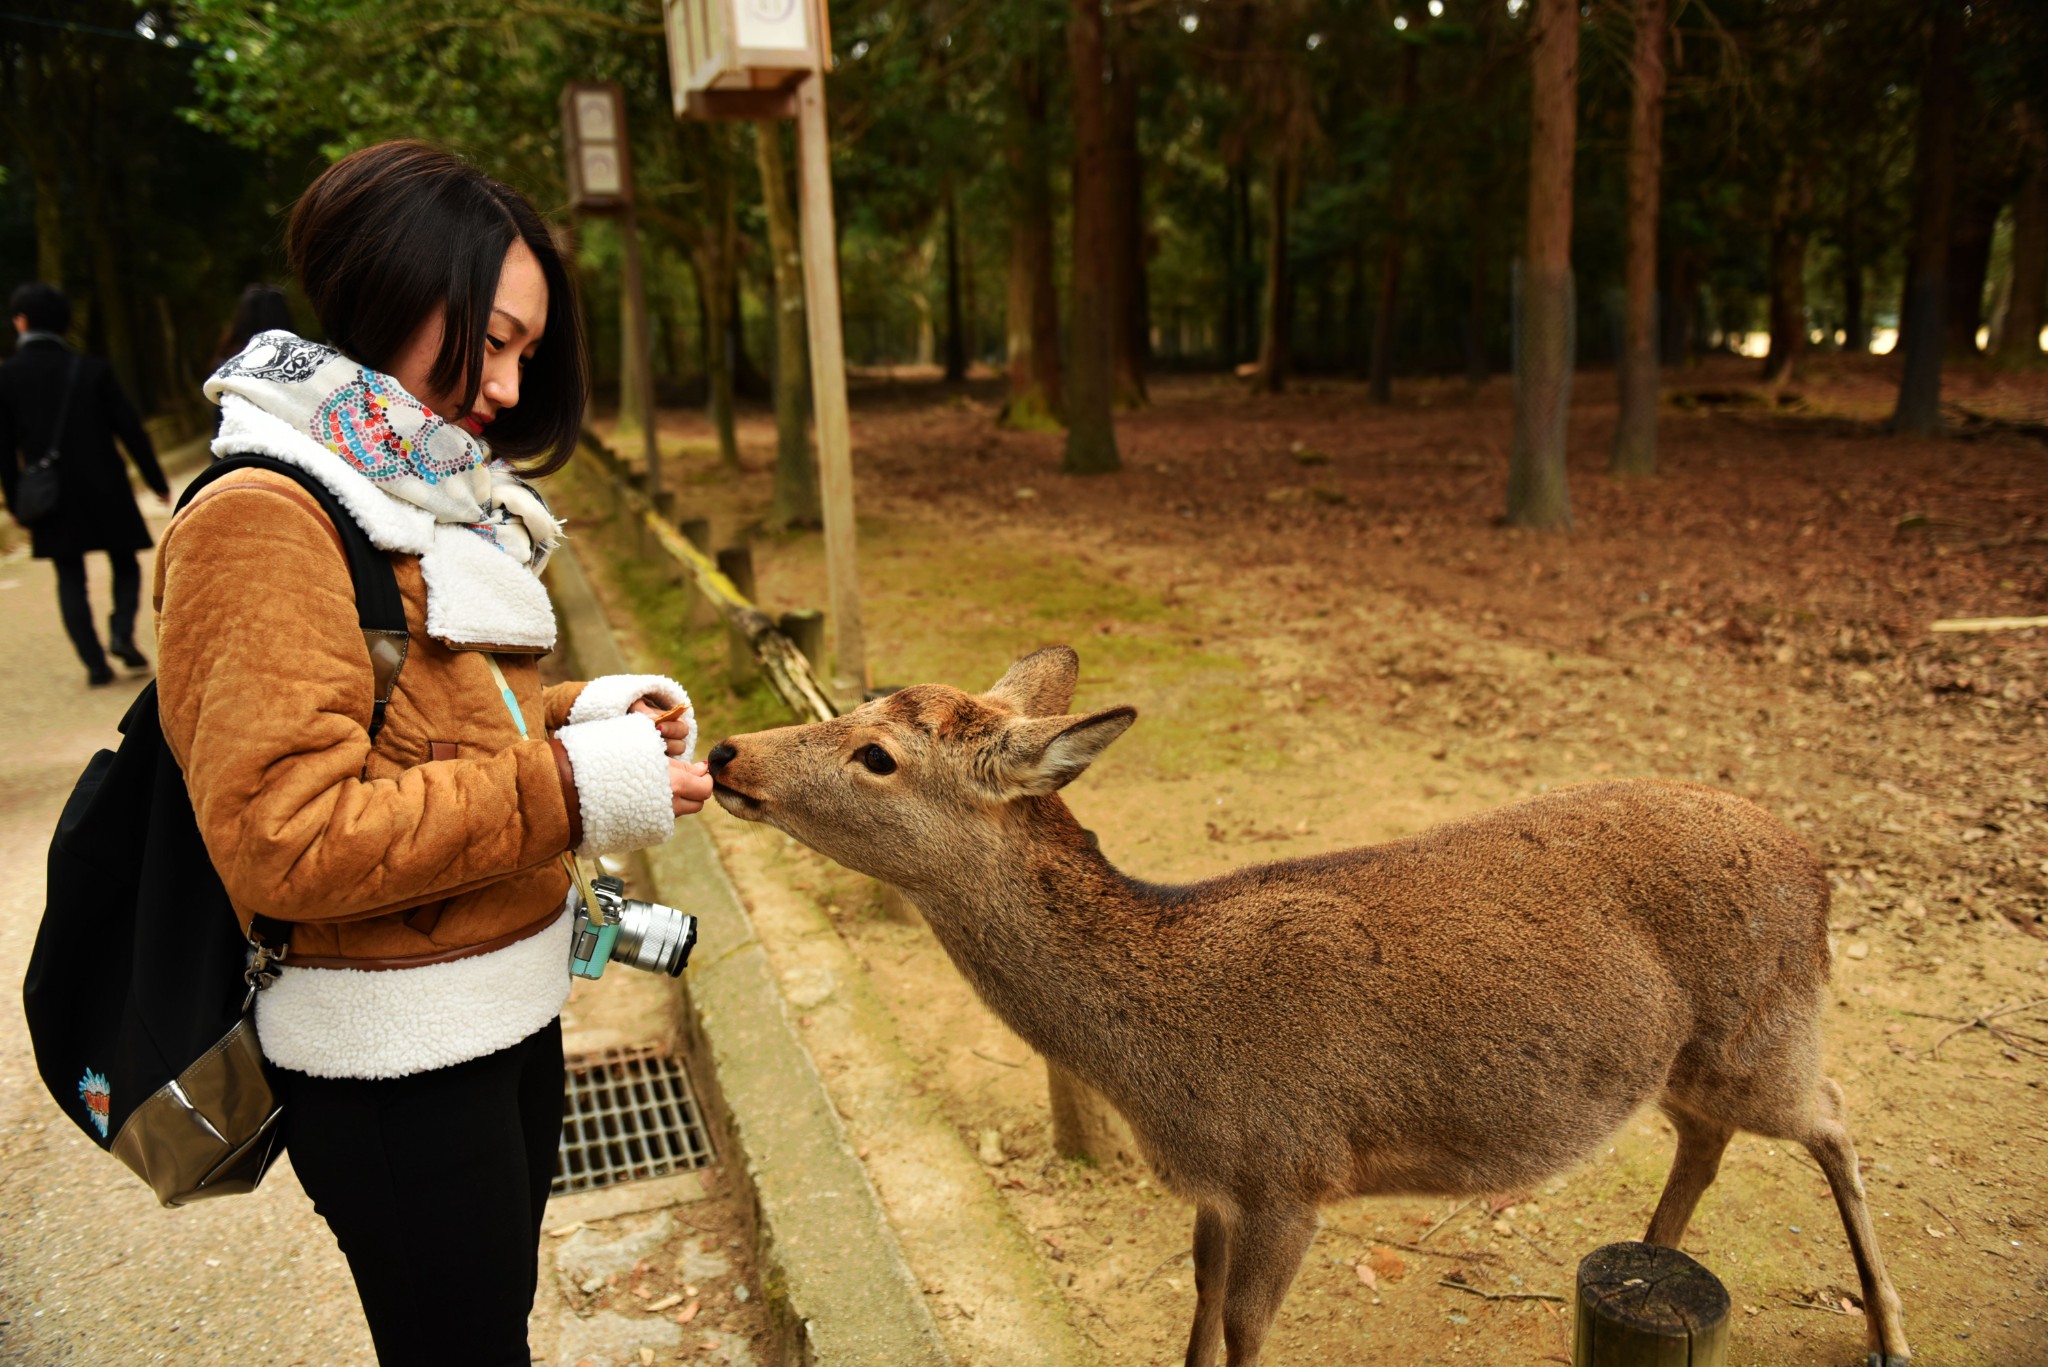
1368 1276
646 1357
668 1302
689 1312
1389 1264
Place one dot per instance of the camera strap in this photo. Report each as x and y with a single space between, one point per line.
592 907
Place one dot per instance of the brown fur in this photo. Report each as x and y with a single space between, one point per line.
1468 1010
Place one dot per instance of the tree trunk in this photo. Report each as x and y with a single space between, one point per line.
2019 343
632 376
38 139
1635 433
1969 262
1791 203
706 264
1245 278
956 331
1233 253
1477 317
1537 495
1127 228
796 469
1033 305
1091 428
1276 351
1382 363
1934 165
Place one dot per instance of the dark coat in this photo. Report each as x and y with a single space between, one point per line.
96 507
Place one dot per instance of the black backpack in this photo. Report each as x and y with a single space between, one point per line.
139 989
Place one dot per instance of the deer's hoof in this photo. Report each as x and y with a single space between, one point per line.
1884 1359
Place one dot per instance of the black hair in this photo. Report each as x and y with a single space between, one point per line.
45 307
389 234
261 308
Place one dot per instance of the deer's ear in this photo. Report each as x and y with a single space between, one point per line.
1042 683
1044 754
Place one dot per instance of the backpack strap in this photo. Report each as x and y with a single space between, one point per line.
380 610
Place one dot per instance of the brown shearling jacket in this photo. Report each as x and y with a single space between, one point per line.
441 841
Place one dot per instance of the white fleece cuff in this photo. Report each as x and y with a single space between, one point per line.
620 765
612 694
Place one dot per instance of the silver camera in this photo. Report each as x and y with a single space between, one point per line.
645 935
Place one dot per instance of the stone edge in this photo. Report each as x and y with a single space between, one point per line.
836 1281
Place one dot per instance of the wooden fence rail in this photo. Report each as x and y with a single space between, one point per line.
780 659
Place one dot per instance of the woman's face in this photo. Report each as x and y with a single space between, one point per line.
519 313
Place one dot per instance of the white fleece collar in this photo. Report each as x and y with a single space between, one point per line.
477 596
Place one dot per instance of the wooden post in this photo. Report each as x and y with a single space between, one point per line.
643 349
1642 1305
737 564
828 390
806 627
697 531
1084 1124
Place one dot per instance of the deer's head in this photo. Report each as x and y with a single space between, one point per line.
924 786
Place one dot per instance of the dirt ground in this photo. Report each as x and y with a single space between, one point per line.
1331 640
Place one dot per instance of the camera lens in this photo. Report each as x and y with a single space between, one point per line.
654 937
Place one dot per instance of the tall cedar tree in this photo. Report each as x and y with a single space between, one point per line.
1635 434
1091 428
796 469
1921 331
1381 366
1537 496
1130 324
1033 319
2019 344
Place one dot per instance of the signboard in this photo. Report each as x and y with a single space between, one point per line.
742 58
599 168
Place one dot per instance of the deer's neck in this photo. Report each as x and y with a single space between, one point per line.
1059 943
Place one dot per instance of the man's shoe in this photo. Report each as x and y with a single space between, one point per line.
99 678
128 655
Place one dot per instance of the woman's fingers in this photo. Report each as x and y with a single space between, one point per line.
689 786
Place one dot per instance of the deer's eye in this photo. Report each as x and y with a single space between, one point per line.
877 760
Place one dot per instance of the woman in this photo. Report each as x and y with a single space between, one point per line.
414 1033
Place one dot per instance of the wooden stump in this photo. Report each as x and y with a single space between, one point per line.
737 564
1084 1124
1642 1305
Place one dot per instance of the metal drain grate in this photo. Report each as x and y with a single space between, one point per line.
627 1113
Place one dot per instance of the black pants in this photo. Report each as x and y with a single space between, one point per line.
77 608
434 1185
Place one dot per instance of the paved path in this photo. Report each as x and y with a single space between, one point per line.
91 1269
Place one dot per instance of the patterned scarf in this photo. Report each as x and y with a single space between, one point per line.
392 439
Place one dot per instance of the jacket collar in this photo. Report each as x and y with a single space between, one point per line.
478 597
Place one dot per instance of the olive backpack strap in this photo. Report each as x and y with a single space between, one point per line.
380 610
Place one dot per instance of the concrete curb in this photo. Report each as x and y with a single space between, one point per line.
834 1274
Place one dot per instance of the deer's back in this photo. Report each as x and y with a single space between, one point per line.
1507 988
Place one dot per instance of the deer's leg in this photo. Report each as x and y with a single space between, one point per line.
1212 1271
1700 1143
1827 1139
1266 1246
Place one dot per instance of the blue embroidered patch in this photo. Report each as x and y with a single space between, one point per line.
98 1099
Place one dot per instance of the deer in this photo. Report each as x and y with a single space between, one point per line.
1466 1011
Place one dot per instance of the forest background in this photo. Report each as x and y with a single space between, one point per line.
1286 186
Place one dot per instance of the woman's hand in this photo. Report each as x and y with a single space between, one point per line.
675 730
689 786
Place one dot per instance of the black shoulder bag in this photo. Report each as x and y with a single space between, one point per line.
37 492
141 987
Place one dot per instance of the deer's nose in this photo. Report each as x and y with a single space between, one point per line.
721 755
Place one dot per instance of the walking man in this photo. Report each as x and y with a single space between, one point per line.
53 399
